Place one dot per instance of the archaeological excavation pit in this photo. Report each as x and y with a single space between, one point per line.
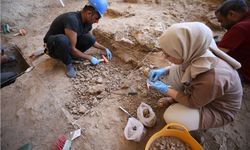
12 70
47 103
100 90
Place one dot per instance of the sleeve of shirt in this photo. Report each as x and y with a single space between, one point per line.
203 90
71 23
232 38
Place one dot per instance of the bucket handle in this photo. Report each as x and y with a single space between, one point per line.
179 127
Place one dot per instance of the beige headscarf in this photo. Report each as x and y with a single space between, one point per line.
193 42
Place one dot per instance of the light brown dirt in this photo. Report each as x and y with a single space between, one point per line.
44 103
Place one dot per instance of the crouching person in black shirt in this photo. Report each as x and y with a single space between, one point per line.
69 35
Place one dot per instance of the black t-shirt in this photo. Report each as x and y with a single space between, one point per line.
70 20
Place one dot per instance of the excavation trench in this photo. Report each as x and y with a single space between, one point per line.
100 90
130 30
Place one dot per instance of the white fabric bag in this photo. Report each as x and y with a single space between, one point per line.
134 130
146 115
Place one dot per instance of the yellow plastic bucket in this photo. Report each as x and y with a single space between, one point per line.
178 131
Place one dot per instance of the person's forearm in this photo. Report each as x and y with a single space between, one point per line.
101 47
75 52
172 92
186 100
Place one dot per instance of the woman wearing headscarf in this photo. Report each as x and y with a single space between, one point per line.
204 86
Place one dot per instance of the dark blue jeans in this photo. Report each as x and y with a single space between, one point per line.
59 46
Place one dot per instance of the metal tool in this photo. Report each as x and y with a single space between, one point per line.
126 112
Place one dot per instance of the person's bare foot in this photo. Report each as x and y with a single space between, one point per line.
165 101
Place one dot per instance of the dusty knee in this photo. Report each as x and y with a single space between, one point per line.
169 114
184 115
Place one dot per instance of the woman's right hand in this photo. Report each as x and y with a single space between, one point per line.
156 73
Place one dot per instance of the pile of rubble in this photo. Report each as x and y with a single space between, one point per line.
95 84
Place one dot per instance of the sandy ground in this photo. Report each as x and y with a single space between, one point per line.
44 103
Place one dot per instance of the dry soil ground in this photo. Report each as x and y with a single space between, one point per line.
44 103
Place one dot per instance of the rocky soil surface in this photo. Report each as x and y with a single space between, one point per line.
44 103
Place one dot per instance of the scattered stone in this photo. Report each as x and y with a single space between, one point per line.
102 95
99 80
70 105
82 109
146 113
107 126
125 84
105 73
132 90
95 102
96 89
128 41
88 75
95 74
75 86
202 139
217 138
82 79
151 66
75 111
98 114
76 117
92 113
67 105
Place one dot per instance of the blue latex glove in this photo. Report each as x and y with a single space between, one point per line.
156 73
159 86
108 53
94 61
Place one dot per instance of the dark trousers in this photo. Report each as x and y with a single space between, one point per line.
59 46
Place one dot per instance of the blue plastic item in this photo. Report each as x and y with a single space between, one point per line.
159 86
94 61
109 54
156 73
